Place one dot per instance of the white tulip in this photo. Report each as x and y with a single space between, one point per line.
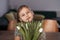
27 26
18 27
41 30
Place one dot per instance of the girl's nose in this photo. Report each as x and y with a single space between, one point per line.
26 15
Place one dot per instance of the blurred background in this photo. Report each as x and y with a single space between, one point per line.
49 8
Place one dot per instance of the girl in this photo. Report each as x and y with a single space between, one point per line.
25 15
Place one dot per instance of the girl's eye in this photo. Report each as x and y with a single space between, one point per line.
27 12
23 15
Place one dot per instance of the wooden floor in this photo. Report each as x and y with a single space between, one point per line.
53 36
9 35
6 35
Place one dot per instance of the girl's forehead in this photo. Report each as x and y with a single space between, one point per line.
24 10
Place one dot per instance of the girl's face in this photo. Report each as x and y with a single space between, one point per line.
25 15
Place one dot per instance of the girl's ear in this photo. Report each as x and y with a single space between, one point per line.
32 13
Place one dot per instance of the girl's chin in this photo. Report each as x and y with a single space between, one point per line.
28 20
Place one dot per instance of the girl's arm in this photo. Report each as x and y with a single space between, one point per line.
17 38
17 35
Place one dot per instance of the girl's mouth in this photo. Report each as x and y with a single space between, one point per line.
28 18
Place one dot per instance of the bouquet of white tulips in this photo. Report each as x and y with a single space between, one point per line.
30 30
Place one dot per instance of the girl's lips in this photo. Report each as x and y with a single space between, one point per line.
28 18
